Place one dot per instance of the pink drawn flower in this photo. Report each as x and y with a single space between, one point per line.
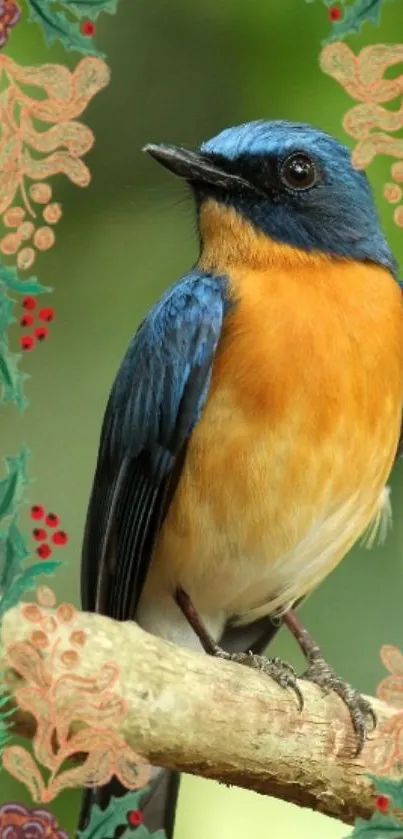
20 822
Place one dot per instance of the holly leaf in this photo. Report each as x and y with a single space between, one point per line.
13 551
354 17
11 378
55 20
105 822
380 826
25 581
91 8
393 790
142 832
10 278
4 716
6 310
12 486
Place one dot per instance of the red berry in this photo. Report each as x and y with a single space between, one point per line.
88 28
335 13
135 817
382 803
37 512
27 342
60 537
26 320
29 303
52 520
44 551
41 332
39 534
46 314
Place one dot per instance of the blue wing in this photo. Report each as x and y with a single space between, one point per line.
155 402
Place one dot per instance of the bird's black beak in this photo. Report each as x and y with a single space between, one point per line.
194 166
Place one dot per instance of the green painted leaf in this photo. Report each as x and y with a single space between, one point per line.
4 718
57 26
142 832
11 378
6 310
25 581
378 827
90 8
393 789
13 551
104 822
12 486
10 278
354 17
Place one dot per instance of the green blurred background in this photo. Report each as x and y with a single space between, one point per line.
181 72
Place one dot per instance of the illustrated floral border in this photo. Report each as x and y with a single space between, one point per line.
30 214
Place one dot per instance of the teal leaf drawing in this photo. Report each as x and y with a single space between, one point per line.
105 822
12 379
142 832
380 826
13 552
4 717
57 23
354 17
12 486
6 311
91 8
393 790
10 278
25 581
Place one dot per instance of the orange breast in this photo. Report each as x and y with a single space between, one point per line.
288 463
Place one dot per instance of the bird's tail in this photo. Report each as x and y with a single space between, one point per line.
158 806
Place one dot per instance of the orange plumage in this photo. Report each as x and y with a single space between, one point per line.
288 464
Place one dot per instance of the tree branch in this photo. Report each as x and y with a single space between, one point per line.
218 719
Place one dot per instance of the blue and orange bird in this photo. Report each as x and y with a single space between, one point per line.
256 416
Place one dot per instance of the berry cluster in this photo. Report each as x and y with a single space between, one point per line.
46 314
58 537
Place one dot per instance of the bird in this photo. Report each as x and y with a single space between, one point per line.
254 421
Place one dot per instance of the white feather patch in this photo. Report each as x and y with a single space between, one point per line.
380 525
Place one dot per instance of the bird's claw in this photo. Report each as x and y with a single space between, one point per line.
362 715
280 671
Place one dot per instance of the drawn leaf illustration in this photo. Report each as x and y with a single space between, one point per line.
19 763
56 25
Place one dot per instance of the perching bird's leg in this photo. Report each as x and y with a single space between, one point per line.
279 670
362 714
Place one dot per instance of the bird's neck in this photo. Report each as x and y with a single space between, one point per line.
229 241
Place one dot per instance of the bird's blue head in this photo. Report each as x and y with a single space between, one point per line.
292 182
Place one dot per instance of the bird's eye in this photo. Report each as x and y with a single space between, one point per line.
298 172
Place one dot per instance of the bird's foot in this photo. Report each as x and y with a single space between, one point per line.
280 671
362 715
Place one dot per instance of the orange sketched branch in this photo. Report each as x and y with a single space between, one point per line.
363 77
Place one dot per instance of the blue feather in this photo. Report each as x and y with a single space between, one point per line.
164 378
